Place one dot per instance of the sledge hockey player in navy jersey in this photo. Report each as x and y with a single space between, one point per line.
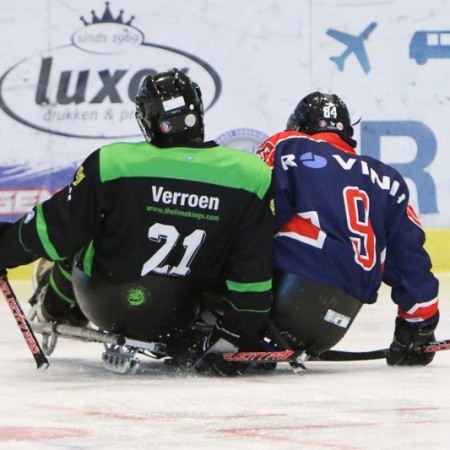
152 225
343 225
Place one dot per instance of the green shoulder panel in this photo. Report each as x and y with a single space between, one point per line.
218 165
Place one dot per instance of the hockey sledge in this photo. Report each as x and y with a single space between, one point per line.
120 352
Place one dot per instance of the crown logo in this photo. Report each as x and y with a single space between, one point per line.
107 17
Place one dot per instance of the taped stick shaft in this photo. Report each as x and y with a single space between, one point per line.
22 323
338 355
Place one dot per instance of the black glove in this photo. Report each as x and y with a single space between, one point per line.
219 341
406 337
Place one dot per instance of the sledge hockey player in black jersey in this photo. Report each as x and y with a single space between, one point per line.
343 226
145 228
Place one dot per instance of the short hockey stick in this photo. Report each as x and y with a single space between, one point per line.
289 356
434 346
338 355
330 355
22 322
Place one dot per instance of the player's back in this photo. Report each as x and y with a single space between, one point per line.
332 209
175 211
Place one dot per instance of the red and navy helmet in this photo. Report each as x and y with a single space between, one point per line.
318 113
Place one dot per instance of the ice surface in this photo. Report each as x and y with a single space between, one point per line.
77 404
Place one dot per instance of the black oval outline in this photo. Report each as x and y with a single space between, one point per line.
212 72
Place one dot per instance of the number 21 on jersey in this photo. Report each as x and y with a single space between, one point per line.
170 235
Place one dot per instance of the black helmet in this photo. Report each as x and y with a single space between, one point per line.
169 109
317 113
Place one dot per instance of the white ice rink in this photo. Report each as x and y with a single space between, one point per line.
76 404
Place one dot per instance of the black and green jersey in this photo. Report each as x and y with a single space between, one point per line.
135 209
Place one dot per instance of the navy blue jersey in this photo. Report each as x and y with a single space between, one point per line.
344 220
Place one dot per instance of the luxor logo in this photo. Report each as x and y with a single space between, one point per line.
84 90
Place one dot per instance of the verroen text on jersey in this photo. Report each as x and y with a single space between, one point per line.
161 195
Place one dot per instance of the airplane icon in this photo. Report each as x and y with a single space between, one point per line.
355 45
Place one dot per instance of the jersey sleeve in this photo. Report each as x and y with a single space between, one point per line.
57 228
408 266
282 194
266 151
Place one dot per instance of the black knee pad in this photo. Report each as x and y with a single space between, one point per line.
153 308
312 316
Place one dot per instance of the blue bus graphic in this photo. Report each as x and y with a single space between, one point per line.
429 44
